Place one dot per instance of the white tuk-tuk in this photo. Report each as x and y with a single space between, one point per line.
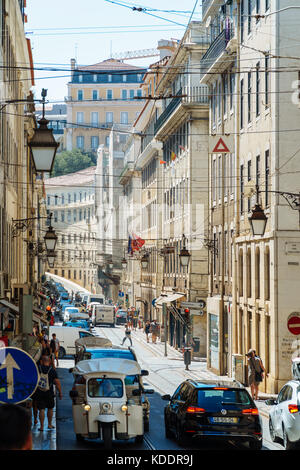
103 405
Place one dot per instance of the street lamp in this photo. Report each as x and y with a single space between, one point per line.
258 220
124 263
184 254
145 261
43 146
51 258
50 238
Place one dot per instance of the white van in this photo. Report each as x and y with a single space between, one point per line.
95 298
67 336
103 315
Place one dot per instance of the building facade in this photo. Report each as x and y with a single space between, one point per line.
100 96
253 279
71 201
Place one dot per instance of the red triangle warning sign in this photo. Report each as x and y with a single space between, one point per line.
221 147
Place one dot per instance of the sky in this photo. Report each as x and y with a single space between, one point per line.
89 30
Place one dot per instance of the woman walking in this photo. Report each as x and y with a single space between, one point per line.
256 372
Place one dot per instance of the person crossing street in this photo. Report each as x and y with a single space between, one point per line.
127 335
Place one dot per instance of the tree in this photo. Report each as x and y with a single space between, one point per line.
71 161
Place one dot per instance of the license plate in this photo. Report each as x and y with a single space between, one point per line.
224 420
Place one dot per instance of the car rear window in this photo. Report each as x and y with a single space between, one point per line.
218 397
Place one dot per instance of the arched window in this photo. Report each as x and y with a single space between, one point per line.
249 283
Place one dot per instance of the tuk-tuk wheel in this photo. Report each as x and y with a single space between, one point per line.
146 425
79 437
61 353
107 435
139 439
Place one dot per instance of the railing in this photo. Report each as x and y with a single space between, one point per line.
216 48
167 112
195 94
205 5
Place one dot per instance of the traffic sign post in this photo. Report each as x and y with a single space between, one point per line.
293 324
19 375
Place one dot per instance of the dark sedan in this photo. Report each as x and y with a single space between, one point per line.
121 317
214 410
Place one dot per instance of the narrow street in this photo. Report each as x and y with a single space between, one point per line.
165 374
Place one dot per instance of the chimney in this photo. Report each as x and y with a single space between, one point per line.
73 66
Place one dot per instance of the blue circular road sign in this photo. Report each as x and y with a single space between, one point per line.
19 375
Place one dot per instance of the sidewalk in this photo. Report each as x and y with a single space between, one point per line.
174 354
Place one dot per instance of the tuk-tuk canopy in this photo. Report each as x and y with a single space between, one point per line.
105 365
91 341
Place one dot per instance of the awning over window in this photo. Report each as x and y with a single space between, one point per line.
167 299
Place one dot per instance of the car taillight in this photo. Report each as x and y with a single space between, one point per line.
195 409
293 409
250 411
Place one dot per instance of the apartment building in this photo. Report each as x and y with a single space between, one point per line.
99 96
71 201
173 169
21 191
253 279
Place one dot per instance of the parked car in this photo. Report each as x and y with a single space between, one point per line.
213 410
121 317
284 415
69 310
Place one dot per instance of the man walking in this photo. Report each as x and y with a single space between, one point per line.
54 346
127 335
45 391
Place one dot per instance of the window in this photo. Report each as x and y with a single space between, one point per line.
257 171
242 188
232 84
109 117
249 15
242 104
214 102
225 92
139 92
249 179
257 9
249 96
267 273
139 77
267 175
94 118
242 20
79 95
95 94
80 141
267 5
107 141
124 117
95 77
109 94
62 199
109 78
80 118
257 88
80 78
69 198
124 78
267 80
124 94
62 216
55 216
94 142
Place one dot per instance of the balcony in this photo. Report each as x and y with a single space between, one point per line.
188 96
220 51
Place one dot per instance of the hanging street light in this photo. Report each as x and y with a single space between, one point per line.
184 254
51 258
124 263
50 238
258 220
43 145
145 261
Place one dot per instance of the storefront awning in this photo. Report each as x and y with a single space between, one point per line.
167 299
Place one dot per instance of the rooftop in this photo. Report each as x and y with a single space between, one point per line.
81 177
110 64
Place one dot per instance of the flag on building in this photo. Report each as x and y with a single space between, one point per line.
173 156
135 243
162 162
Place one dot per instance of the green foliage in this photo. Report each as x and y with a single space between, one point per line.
71 161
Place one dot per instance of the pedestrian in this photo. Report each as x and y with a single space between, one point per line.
54 346
46 351
256 372
135 319
154 330
15 427
147 330
45 391
127 335
140 321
